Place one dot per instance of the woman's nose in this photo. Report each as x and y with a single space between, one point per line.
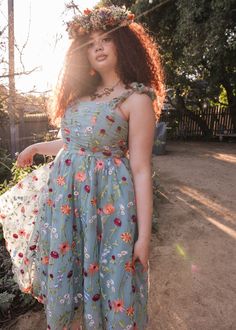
98 46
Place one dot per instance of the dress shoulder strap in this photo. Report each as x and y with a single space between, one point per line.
133 87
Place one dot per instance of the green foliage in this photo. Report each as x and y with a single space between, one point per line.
17 174
5 165
12 301
223 96
197 41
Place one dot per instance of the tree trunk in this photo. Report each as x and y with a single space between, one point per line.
231 101
181 107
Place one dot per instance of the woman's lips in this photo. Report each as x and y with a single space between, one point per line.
101 58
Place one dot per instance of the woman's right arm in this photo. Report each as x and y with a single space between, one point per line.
51 148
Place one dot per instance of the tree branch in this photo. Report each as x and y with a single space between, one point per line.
20 73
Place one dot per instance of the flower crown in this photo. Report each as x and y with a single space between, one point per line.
101 18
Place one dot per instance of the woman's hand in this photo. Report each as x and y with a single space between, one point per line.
141 252
25 158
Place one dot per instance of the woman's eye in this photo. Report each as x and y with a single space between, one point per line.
107 39
90 44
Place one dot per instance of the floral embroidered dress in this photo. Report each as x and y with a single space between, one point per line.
71 225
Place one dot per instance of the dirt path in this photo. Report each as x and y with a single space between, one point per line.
193 257
193 260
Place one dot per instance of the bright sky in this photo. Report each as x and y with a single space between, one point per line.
43 20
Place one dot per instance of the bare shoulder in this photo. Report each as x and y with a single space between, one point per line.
137 99
138 105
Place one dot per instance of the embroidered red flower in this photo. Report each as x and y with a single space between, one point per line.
96 297
68 162
87 188
117 222
110 119
99 165
54 254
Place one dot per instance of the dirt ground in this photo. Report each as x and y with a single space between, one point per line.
193 256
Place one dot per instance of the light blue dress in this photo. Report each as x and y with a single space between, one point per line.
71 225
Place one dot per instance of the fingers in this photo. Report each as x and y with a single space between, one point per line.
143 263
145 267
23 162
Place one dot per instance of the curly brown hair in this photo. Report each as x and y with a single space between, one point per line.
140 62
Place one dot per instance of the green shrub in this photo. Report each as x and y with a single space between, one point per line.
5 165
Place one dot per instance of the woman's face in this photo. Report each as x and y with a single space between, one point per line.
101 51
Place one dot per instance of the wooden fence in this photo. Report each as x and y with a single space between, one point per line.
31 128
210 121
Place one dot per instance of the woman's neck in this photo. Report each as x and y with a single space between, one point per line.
109 80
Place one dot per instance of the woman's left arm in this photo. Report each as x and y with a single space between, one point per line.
141 138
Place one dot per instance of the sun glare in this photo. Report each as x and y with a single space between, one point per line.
39 24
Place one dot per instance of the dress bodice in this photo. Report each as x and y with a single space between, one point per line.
97 127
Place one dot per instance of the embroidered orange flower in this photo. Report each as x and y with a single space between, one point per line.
61 180
26 261
45 260
65 209
93 268
130 311
99 165
130 16
94 149
108 208
94 201
129 267
118 305
80 176
50 202
28 289
117 161
87 11
93 120
64 247
126 237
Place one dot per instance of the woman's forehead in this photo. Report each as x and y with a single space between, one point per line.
97 34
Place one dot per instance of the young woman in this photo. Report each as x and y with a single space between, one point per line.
79 228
